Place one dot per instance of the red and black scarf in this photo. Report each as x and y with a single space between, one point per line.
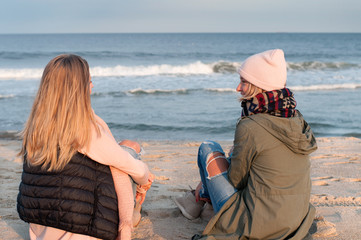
280 103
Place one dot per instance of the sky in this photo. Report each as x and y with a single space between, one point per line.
135 16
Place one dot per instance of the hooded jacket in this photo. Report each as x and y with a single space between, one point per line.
270 167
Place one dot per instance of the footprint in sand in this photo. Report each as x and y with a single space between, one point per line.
330 201
319 157
161 197
192 144
322 178
153 156
320 183
355 180
163 213
178 189
321 228
157 169
334 163
162 178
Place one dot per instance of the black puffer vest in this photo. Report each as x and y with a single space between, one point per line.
80 199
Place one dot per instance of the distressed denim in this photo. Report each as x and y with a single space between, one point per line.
132 152
216 188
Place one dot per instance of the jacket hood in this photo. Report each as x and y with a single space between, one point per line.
294 132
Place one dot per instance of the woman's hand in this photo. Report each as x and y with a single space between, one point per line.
198 188
142 189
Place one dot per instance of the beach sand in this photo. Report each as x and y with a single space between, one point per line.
335 174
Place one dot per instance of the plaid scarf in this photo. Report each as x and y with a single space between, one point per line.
279 103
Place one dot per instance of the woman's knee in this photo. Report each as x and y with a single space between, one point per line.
216 164
132 147
204 151
131 144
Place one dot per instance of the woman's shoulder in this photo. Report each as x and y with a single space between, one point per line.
261 119
248 122
246 128
255 125
102 125
99 120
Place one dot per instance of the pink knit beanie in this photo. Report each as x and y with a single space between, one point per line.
266 70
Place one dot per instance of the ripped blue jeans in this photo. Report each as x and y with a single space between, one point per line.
216 188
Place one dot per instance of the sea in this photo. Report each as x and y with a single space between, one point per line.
181 86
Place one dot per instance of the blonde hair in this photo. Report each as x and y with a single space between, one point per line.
60 119
252 91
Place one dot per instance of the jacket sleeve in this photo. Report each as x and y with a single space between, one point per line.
243 154
104 149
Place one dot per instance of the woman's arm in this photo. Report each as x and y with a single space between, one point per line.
244 151
104 149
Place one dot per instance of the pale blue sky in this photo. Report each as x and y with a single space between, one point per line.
118 16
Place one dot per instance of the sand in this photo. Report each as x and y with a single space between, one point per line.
336 190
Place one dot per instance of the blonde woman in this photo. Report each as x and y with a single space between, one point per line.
75 181
262 190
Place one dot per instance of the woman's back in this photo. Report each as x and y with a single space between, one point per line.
80 198
278 187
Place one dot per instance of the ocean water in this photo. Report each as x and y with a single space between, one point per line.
182 86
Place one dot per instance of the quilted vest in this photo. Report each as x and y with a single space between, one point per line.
81 198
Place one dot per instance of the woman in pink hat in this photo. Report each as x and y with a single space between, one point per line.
262 190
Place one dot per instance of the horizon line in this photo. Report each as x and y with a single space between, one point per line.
276 32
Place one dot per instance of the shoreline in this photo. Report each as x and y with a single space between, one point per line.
15 135
335 175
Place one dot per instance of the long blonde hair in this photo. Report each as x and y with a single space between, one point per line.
60 120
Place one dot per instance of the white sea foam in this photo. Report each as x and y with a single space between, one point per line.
158 91
163 69
7 96
140 91
179 91
22 73
316 65
195 68
221 90
326 87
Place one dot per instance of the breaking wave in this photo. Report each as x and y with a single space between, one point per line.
7 96
185 91
326 87
172 128
140 91
221 90
315 65
195 68
10 135
22 73
180 91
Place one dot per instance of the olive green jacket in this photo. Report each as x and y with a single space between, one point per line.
271 169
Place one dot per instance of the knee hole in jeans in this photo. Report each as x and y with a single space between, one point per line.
216 164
